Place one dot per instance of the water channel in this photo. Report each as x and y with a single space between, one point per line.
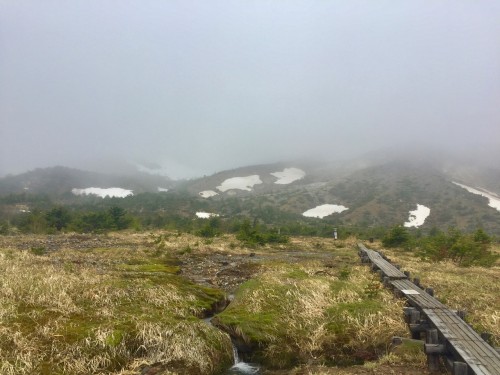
239 367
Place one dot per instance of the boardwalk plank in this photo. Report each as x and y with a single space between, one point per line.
474 351
465 343
422 300
387 268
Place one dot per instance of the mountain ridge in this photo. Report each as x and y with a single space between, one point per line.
377 192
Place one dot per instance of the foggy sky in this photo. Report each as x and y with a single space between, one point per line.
201 86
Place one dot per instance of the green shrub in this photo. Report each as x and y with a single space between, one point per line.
255 235
463 249
397 236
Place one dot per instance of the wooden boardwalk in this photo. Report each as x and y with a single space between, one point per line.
379 263
447 334
464 342
415 296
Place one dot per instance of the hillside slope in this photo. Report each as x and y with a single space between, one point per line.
372 192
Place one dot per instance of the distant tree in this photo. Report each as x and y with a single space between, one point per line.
89 222
58 218
33 222
211 228
255 234
118 218
463 249
397 236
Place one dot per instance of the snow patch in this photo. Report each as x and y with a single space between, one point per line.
241 183
494 200
288 175
418 216
162 190
208 193
205 215
100 192
324 210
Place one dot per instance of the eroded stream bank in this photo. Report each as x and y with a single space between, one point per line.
227 271
240 366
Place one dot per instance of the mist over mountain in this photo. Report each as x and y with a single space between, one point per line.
367 115
197 88
375 190
59 181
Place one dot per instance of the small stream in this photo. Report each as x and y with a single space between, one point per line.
239 367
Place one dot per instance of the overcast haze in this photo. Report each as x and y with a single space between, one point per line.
201 86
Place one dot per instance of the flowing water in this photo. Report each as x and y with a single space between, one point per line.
239 367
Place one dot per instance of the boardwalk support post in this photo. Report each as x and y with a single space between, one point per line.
387 282
486 336
431 339
381 275
416 281
459 368
415 321
407 313
447 336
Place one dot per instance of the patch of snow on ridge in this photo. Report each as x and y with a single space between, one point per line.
162 190
324 210
241 183
418 216
288 175
205 215
103 193
207 193
494 200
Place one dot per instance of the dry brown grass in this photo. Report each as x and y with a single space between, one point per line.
114 303
300 312
473 289
103 310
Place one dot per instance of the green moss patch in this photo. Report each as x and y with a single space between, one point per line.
291 314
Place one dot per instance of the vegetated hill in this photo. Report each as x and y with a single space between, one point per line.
316 173
377 193
59 181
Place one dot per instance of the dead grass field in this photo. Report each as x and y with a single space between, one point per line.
475 290
103 310
113 304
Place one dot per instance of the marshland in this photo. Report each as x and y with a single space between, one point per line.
129 303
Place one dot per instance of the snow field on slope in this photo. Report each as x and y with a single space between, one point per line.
324 210
288 175
100 192
418 216
494 200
